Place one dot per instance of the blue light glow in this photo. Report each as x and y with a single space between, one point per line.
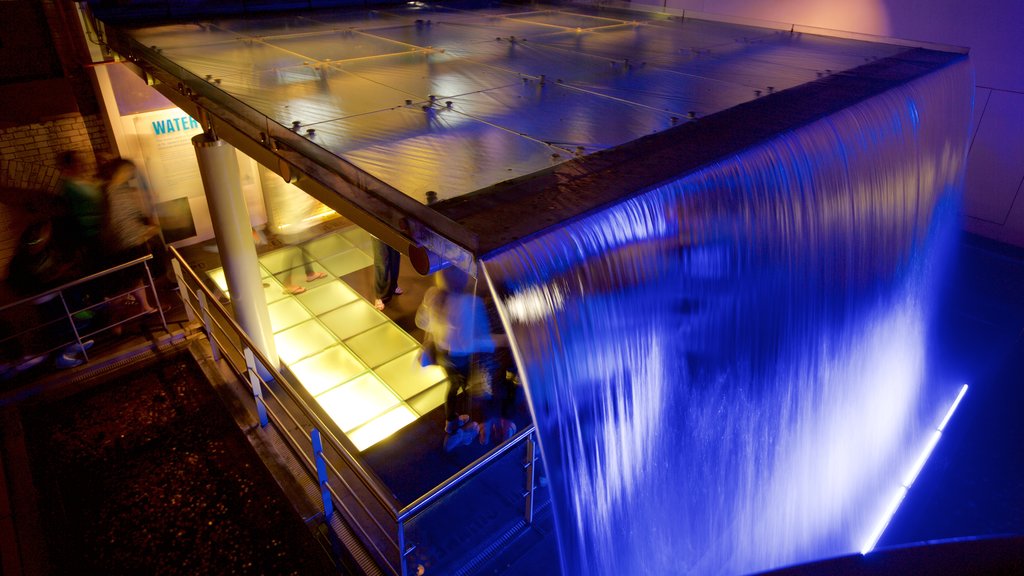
890 511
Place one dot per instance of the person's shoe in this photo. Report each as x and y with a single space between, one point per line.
463 436
76 348
399 291
378 304
469 432
507 429
453 440
28 363
315 276
69 361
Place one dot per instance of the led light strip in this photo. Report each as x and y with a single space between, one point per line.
912 475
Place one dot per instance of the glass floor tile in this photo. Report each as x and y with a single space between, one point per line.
282 259
332 367
327 246
272 289
218 277
406 377
427 401
357 401
347 262
297 276
353 319
381 344
359 238
381 427
286 313
302 341
327 297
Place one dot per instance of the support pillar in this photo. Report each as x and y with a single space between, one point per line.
218 166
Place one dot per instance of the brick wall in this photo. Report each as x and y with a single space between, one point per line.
27 159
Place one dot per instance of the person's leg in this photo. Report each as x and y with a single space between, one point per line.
457 369
394 260
381 271
294 260
459 428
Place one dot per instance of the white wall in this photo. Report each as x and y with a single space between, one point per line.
994 32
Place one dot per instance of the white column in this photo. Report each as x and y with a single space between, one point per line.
218 167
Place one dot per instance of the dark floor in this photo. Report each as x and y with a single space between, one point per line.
168 486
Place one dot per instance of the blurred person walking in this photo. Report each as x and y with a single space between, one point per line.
457 328
129 227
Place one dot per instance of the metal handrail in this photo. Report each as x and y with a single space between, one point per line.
69 313
385 499
83 280
462 476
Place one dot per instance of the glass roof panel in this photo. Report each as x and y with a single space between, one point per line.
420 76
339 45
440 150
183 35
566 19
231 58
529 86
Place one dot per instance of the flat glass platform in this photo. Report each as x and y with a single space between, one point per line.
358 364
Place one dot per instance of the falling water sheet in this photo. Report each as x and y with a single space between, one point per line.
730 372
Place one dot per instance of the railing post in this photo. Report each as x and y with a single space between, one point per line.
257 390
183 290
208 324
71 319
403 554
156 297
321 474
531 460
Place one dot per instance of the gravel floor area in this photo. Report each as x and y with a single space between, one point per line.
148 474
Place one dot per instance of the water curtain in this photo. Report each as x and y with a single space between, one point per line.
730 372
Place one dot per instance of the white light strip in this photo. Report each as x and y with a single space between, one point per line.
889 512
949 414
876 534
912 475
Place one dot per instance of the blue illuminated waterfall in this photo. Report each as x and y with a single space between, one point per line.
730 372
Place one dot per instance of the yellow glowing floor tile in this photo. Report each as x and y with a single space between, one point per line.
273 291
359 238
355 318
381 427
286 313
303 340
271 288
347 262
327 246
427 401
297 276
327 369
357 401
327 297
406 377
381 344
218 277
282 259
